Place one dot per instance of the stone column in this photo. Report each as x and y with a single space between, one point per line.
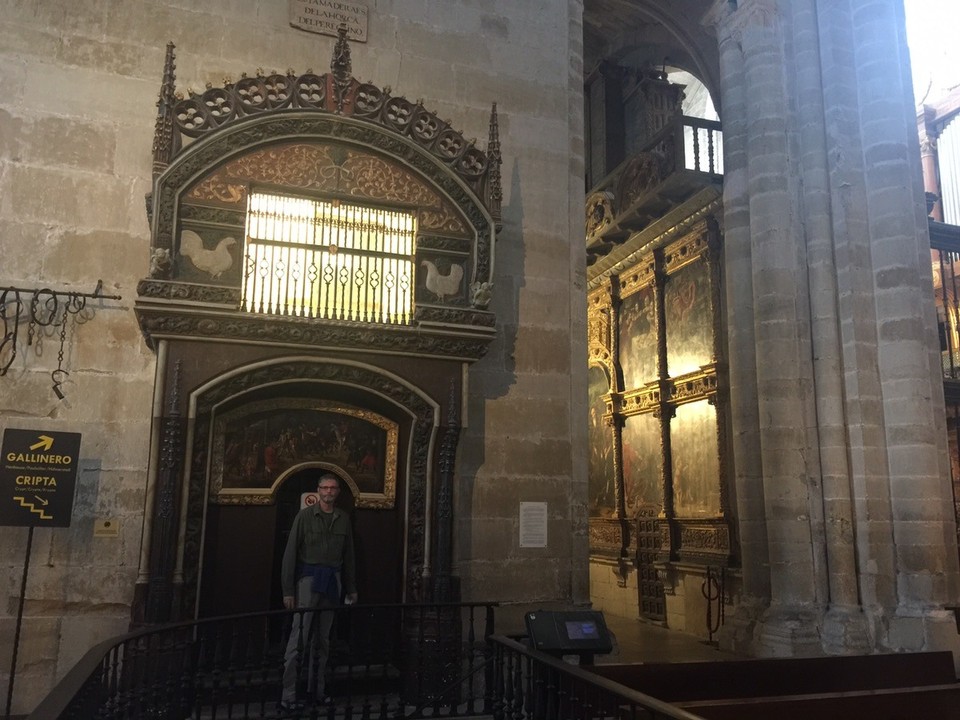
742 366
922 517
781 324
844 626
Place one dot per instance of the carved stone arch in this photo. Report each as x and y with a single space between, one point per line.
424 426
263 130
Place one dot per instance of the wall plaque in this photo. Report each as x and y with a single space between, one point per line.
533 524
325 16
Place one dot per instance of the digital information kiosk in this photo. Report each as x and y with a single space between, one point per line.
569 632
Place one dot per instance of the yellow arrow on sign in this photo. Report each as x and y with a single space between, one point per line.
41 500
46 442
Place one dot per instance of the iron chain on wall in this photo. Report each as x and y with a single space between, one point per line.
41 308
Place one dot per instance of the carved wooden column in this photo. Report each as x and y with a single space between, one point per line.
664 413
163 544
446 588
627 536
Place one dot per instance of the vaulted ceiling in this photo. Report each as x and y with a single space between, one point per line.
652 33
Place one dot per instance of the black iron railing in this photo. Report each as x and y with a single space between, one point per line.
396 661
531 685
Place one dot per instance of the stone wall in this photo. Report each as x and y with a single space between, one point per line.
77 107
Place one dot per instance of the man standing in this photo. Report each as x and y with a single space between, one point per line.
317 562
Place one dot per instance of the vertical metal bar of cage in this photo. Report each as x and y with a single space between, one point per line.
367 240
261 255
292 289
281 269
337 305
954 315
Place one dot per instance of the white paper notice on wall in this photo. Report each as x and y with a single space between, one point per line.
533 524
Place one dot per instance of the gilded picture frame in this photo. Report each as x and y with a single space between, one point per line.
254 448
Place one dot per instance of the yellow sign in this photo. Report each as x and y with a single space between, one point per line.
38 474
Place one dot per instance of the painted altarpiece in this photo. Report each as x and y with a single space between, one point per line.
655 330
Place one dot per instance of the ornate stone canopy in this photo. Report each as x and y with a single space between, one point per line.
329 136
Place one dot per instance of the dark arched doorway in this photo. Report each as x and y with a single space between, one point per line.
243 540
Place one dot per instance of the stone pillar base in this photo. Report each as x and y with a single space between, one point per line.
846 631
738 633
788 631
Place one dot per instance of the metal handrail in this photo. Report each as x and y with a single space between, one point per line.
230 666
533 685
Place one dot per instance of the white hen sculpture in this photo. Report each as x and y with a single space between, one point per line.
443 285
213 262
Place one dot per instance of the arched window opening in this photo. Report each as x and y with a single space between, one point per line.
328 259
702 143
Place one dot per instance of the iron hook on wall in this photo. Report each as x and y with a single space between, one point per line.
41 308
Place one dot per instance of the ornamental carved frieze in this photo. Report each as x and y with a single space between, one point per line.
694 245
703 541
643 172
189 292
638 276
333 169
695 386
606 533
157 322
454 316
234 217
643 400
453 245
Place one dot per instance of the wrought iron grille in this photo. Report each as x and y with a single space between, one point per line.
330 260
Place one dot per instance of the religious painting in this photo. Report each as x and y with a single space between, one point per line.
642 459
689 319
256 445
696 460
601 473
638 338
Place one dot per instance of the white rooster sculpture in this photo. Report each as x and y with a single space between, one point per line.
213 262
443 285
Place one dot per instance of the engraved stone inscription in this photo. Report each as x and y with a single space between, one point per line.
325 16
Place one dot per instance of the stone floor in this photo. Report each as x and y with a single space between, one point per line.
639 641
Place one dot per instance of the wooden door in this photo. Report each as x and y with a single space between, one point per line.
650 589
237 559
